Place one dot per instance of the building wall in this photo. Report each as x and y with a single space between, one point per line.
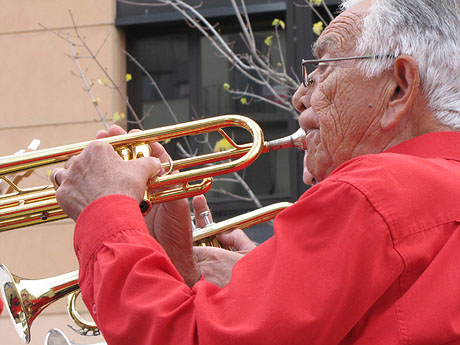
42 97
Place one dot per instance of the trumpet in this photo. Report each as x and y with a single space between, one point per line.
29 206
25 299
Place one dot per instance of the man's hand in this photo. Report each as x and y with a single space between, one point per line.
169 222
100 171
216 264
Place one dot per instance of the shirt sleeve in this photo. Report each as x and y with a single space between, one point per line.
330 260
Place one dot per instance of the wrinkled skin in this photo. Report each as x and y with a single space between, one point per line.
346 115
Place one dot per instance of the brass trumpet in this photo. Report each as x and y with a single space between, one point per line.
25 299
36 205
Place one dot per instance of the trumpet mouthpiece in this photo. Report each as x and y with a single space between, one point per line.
295 140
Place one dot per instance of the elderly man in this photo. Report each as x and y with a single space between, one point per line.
369 255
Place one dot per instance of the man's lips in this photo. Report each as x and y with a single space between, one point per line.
309 123
308 120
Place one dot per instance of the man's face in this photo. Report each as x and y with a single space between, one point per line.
342 109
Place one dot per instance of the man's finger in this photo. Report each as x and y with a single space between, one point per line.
200 253
102 134
201 211
150 167
56 177
157 150
112 131
236 239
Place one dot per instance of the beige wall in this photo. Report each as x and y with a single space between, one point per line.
41 98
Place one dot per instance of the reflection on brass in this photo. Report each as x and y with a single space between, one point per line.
84 327
36 205
25 298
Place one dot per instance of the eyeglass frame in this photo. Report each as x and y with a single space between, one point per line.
307 81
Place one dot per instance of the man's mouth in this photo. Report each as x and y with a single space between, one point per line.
308 120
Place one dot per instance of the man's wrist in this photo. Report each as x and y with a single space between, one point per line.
189 270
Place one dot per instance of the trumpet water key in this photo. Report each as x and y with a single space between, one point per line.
30 206
25 299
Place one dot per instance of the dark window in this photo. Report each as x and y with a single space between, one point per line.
191 74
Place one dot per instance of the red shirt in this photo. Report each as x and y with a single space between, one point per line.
371 255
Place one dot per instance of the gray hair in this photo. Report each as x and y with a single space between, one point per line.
427 30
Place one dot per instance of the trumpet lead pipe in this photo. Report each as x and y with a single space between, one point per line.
242 221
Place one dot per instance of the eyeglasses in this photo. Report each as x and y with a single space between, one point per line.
306 80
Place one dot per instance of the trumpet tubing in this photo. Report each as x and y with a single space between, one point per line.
84 326
36 205
242 221
25 299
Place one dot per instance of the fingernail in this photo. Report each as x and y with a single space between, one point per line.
161 170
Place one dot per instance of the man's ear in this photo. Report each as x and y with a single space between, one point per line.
405 90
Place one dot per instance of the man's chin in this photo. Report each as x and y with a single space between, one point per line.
308 177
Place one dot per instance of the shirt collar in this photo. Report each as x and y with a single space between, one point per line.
432 145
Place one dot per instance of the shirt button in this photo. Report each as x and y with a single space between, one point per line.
94 309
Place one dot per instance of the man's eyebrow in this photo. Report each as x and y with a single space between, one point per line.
323 45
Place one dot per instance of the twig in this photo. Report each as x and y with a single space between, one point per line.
259 97
315 11
85 83
109 77
331 16
153 83
233 195
247 189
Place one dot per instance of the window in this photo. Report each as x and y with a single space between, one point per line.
191 75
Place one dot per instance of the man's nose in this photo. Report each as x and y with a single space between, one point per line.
301 98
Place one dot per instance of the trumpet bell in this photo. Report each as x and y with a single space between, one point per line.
25 299
15 306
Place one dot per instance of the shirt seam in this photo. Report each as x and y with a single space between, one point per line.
398 311
428 229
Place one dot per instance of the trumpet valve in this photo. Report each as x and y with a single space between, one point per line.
132 151
205 216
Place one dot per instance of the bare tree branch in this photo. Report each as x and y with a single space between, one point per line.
85 83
